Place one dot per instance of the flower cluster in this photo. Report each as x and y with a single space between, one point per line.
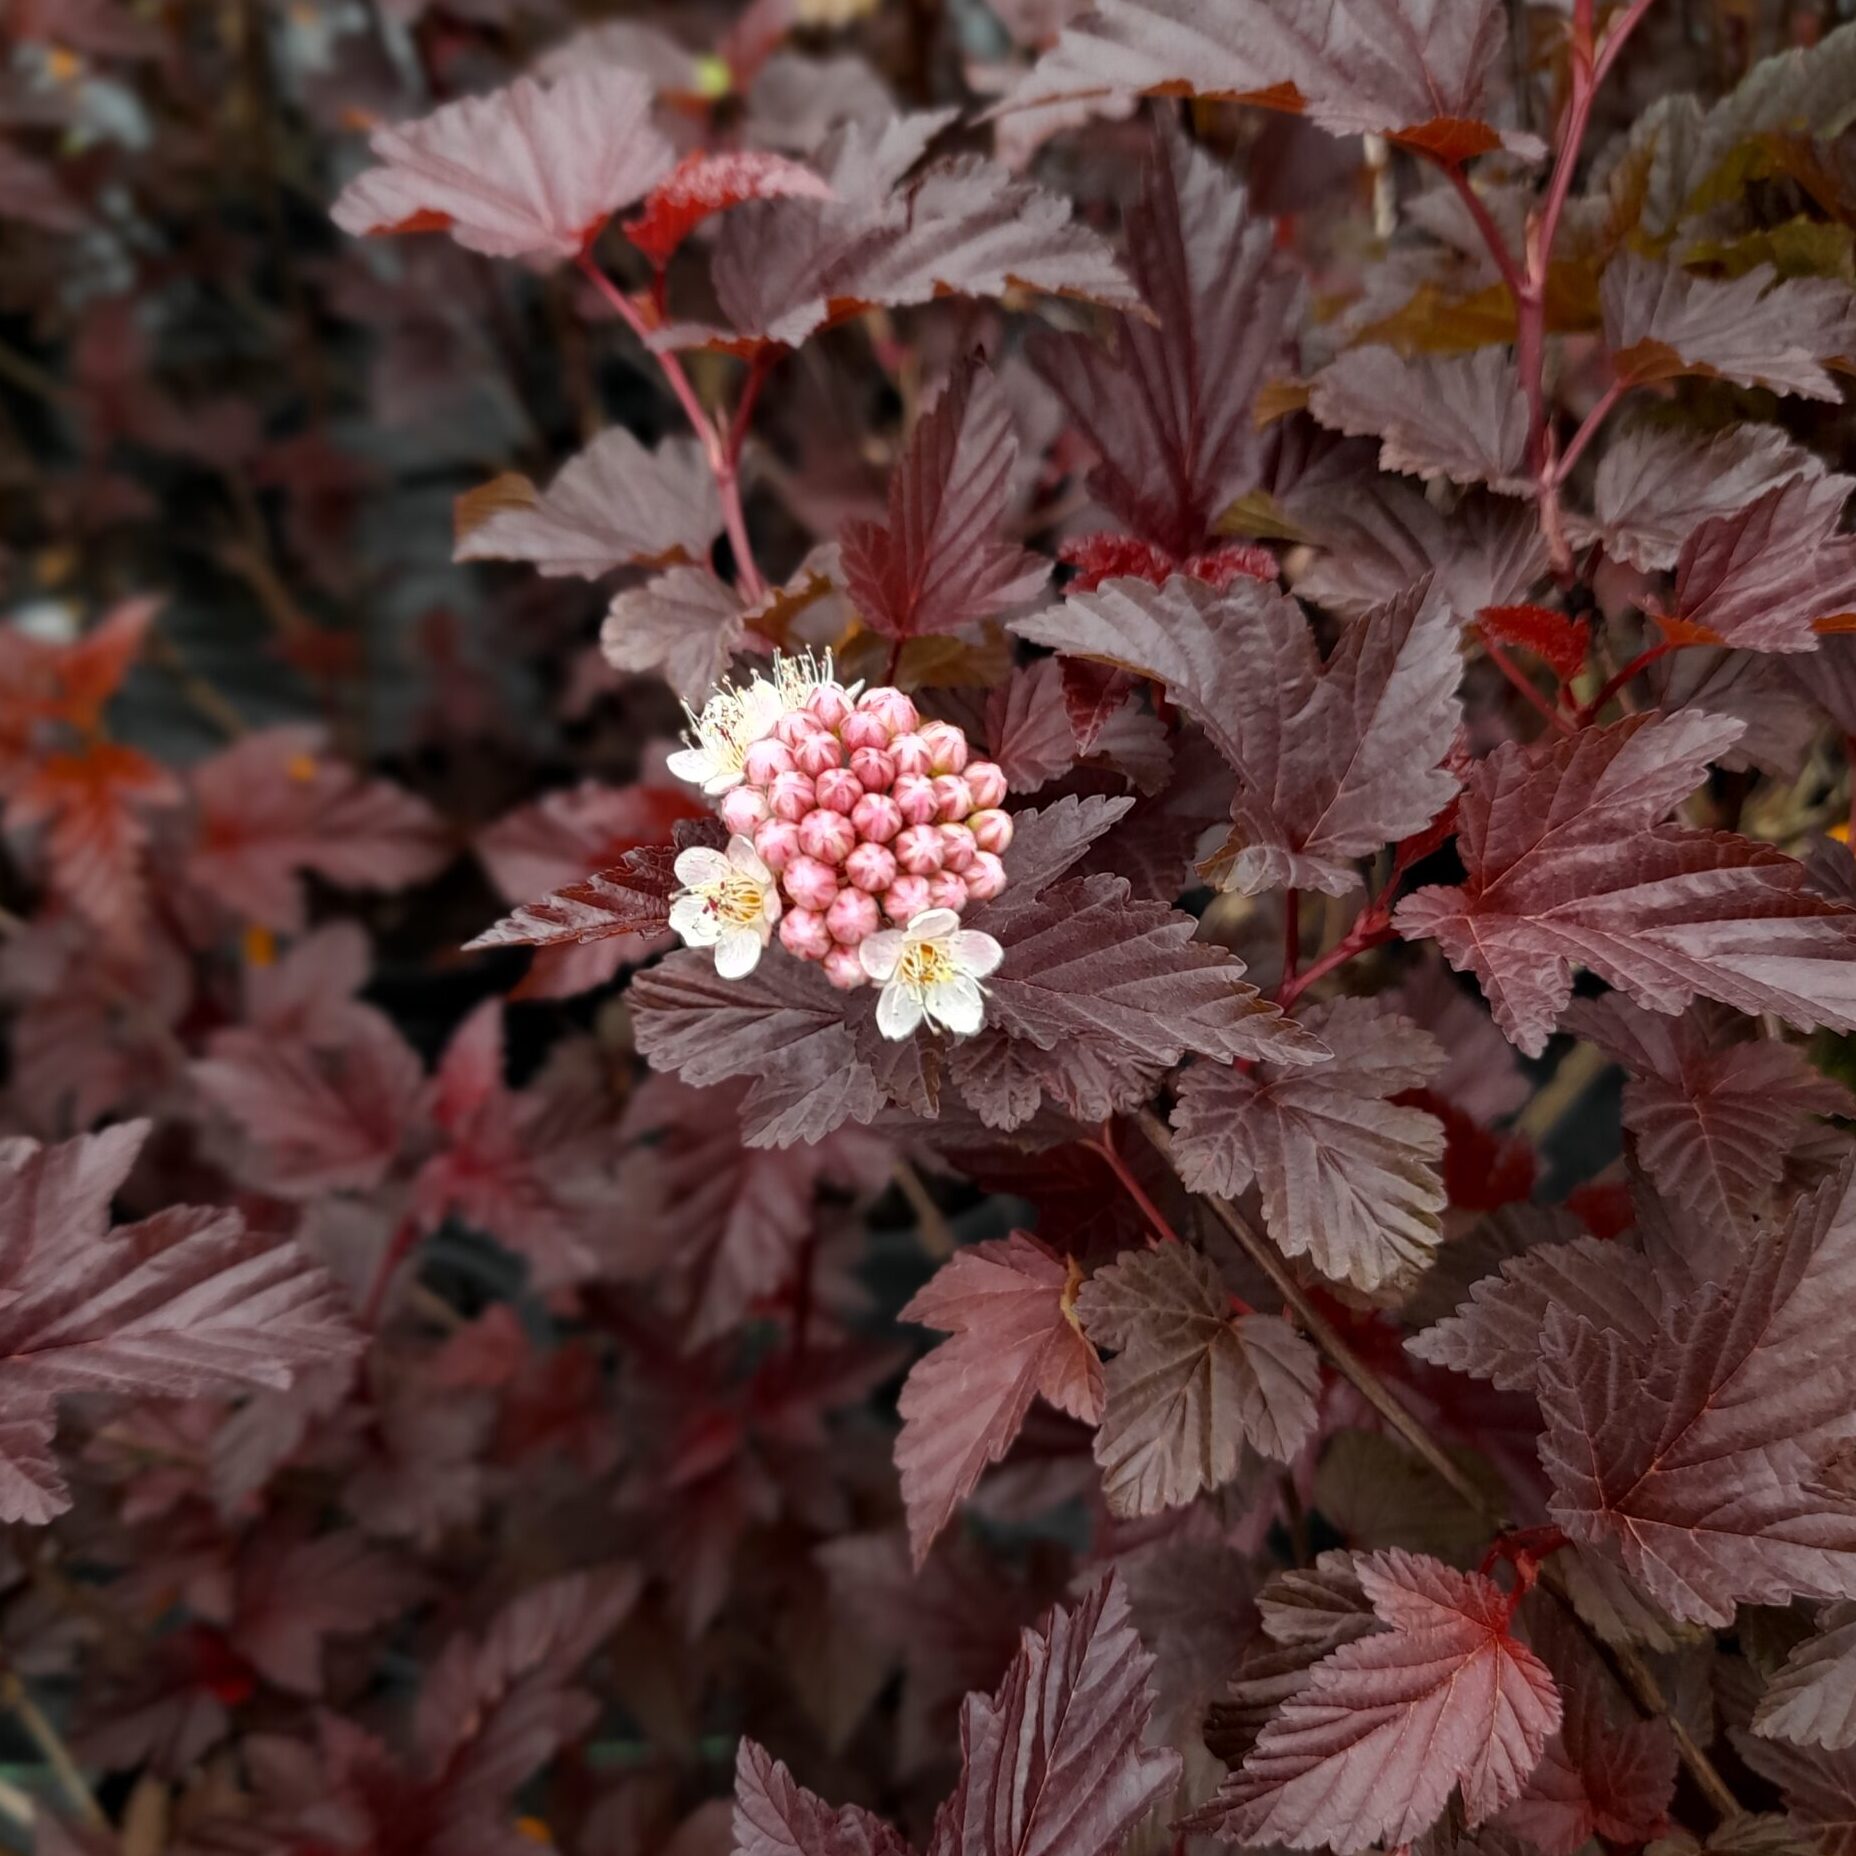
858 831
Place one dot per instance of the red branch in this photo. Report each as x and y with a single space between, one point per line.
723 452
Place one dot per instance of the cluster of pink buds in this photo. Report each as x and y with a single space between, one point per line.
868 817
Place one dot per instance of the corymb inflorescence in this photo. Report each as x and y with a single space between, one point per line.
855 821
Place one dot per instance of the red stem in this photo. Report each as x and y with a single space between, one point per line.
1491 232
723 454
1372 929
1587 430
1104 1145
398 1248
1513 672
1528 283
1641 661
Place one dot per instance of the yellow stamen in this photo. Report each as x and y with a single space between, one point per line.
739 900
926 965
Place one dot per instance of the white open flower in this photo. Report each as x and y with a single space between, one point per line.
732 720
729 902
930 970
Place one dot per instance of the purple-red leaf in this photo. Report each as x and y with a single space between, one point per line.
1694 1454
1169 411
616 504
1458 416
1662 322
1099 994
1812 1700
1053 1763
938 565
533 170
963 227
1333 760
276 804
1656 485
783 1025
1716 1110
1766 576
1605 1773
776 1816
631 898
1370 1748
1423 74
1348 1177
1569 863
185 1304
684 626
1009 1307
1192 1382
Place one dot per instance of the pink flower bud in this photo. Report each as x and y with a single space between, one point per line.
839 790
828 836
792 796
766 761
947 891
863 731
905 898
777 842
915 799
875 768
803 932
986 877
947 747
830 704
890 707
987 781
957 848
796 727
870 867
910 753
852 916
819 753
743 808
953 798
811 883
845 970
991 829
918 850
877 818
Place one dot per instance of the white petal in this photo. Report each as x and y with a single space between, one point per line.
897 1011
724 781
737 953
696 924
769 909
882 953
691 764
761 707
933 925
744 857
976 953
959 1005
699 865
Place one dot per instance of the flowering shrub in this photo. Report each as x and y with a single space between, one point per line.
927 925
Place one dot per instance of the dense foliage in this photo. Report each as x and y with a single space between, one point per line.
927 925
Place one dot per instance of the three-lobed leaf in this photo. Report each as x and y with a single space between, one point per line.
1570 863
1192 1382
